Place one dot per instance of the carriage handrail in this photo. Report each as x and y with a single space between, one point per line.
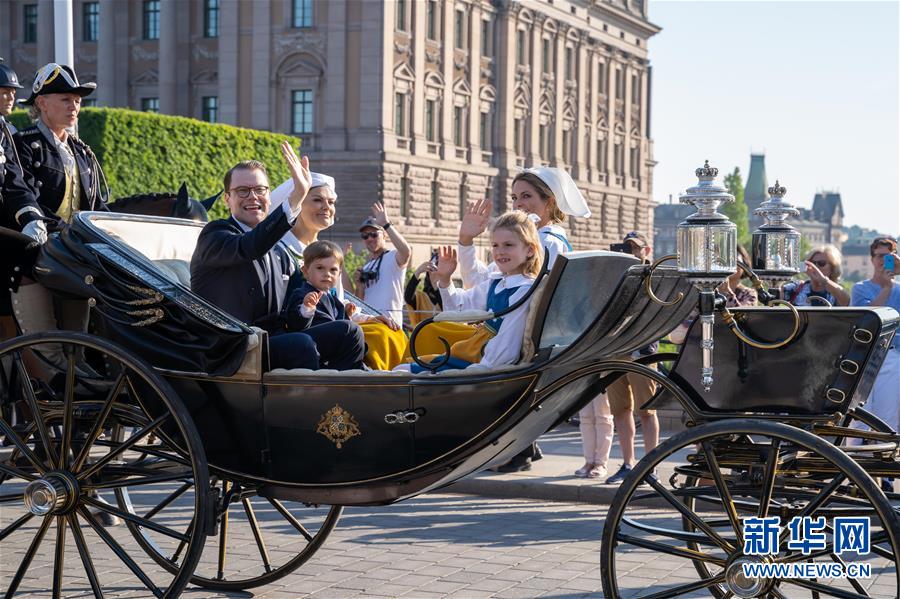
478 316
730 320
648 283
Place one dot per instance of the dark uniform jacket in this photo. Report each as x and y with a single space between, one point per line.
243 272
329 309
45 177
11 178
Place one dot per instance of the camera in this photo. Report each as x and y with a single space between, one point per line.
368 276
624 248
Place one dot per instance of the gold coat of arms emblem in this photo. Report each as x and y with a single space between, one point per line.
338 426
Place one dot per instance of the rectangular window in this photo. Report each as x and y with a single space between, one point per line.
487 38
210 18
429 120
545 56
211 109
29 23
463 202
542 141
458 125
620 84
400 114
150 104
431 19
151 19
567 145
486 132
634 162
435 199
90 21
520 46
400 24
570 63
302 111
460 30
518 136
303 13
635 88
601 155
601 77
404 196
619 159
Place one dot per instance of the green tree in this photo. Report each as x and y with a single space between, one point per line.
737 210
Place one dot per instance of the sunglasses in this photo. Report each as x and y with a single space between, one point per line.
369 235
820 263
48 73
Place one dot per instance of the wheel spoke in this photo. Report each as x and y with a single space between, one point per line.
10 497
223 533
669 550
120 553
169 499
257 534
125 446
290 518
15 525
136 519
687 588
11 435
768 486
134 482
31 399
97 428
85 554
182 544
817 502
67 410
15 472
29 555
727 502
824 589
59 556
690 515
853 582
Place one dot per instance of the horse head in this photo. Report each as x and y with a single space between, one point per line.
174 205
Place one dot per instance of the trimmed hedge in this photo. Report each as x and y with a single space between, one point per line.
143 152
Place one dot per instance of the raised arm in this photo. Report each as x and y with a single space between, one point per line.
400 244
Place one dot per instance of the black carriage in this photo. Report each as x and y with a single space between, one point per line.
169 419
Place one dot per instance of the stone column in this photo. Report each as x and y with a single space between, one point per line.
228 61
592 108
260 57
448 149
386 52
537 75
628 69
505 68
559 91
106 55
611 66
44 33
580 159
168 56
474 18
417 122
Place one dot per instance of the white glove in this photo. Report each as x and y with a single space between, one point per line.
37 230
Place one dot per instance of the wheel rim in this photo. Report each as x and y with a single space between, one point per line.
80 426
739 468
239 556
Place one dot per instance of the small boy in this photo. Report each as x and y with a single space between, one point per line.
315 301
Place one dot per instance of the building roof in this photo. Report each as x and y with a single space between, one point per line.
826 204
756 190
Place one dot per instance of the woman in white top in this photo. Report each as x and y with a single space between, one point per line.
548 194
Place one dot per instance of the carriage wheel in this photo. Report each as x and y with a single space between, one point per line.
78 438
738 469
238 556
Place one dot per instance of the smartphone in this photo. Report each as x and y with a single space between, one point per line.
889 263
620 247
434 257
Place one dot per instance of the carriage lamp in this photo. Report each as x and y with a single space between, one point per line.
707 253
776 244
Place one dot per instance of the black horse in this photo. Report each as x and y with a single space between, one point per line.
176 205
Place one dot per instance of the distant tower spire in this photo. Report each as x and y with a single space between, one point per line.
755 191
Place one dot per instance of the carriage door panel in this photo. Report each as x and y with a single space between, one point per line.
452 414
335 433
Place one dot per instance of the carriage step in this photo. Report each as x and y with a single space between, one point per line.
212 502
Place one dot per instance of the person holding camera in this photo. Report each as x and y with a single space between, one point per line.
380 281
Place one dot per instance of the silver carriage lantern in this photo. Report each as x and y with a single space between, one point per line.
707 252
776 244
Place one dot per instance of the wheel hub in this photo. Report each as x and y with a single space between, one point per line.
742 586
54 494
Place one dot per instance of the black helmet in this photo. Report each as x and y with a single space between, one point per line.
8 77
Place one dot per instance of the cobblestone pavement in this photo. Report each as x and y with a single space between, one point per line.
430 546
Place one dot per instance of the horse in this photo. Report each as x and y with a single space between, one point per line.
176 205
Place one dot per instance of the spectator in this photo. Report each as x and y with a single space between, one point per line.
380 281
596 425
10 168
883 290
823 267
632 390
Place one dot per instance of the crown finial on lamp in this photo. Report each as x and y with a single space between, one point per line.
706 171
777 190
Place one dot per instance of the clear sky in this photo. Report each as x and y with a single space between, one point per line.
813 85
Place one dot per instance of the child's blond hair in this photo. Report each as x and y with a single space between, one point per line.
519 223
318 250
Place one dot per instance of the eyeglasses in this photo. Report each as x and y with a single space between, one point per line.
244 192
372 235
820 263
48 73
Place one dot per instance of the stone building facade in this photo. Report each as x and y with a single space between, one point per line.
423 104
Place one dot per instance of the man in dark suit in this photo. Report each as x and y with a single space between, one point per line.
239 265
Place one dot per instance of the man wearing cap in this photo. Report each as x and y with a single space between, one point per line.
240 266
631 391
61 170
380 281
